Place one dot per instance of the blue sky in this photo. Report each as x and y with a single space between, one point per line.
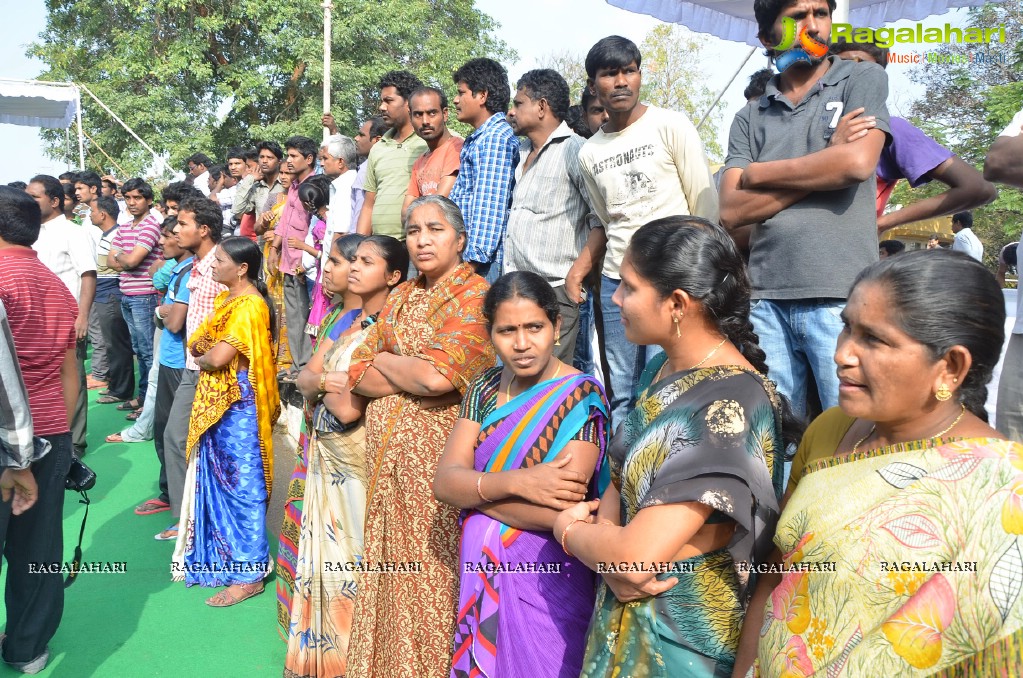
534 28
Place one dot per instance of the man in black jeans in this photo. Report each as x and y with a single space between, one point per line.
41 315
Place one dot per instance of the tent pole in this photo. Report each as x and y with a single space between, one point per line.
157 161
327 6
725 88
841 13
81 140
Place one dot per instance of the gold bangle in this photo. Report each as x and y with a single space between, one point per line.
564 536
479 488
323 382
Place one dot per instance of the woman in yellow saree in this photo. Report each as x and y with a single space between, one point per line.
271 274
230 447
900 544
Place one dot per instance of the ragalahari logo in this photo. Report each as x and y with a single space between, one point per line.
797 46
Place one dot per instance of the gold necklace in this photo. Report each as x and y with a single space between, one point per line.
705 359
507 391
936 435
246 289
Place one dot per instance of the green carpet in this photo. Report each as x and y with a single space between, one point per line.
139 623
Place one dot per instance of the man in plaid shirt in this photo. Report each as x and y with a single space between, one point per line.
487 162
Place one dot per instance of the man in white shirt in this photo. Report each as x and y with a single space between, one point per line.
198 169
1004 164
965 239
339 159
643 164
68 250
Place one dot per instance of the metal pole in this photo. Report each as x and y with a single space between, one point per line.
158 162
81 132
725 88
327 6
841 13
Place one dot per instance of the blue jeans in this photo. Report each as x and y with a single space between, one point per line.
490 272
138 314
799 337
625 360
583 360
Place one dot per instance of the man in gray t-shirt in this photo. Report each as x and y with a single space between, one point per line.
805 209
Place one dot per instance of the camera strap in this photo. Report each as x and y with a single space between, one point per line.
76 563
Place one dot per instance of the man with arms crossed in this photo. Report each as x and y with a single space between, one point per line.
804 208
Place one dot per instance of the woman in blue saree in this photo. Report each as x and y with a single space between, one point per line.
529 442
230 439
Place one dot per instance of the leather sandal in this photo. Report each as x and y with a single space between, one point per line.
225 598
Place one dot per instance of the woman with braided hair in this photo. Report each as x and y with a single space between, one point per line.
696 469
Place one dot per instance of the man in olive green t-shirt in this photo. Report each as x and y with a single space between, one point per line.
391 160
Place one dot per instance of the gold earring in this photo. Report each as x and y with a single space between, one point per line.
557 342
678 329
955 380
943 393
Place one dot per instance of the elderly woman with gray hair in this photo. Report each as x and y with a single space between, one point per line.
429 343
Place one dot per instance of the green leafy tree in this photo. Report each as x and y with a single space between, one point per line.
674 78
966 105
198 75
571 68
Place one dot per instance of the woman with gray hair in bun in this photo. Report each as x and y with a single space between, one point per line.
429 343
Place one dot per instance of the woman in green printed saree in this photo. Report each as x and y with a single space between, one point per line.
696 468
900 541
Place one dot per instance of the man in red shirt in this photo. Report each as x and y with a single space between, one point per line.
41 313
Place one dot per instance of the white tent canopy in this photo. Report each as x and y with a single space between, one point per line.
733 19
34 103
38 104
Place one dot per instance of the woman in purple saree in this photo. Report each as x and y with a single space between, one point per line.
529 440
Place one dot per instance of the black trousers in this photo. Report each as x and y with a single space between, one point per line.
80 419
35 600
120 358
166 386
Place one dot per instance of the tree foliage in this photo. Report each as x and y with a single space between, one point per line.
965 107
571 68
200 75
674 78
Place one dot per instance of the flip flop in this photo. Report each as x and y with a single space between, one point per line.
151 506
109 400
170 534
128 405
114 438
225 599
134 415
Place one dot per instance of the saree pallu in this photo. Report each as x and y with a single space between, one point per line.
332 525
404 623
287 546
711 436
517 623
275 290
910 563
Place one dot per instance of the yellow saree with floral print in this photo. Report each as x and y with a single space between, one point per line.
906 560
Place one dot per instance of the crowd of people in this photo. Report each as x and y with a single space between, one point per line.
478 491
